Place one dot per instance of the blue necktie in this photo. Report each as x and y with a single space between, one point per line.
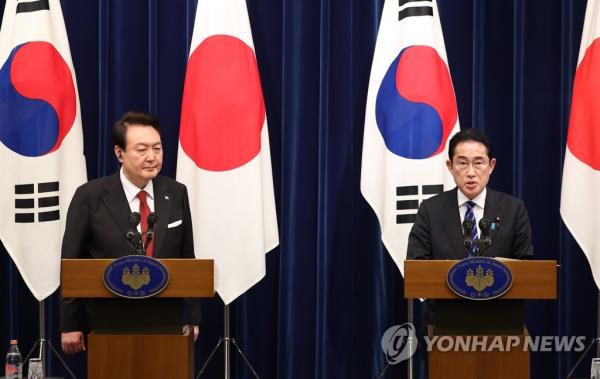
470 215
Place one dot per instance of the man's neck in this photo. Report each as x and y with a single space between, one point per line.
141 184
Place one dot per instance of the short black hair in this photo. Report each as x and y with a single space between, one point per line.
119 130
470 135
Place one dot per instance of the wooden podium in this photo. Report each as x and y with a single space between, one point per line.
146 354
479 320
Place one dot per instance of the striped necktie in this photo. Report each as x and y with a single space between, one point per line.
470 215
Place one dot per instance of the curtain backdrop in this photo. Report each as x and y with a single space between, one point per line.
331 289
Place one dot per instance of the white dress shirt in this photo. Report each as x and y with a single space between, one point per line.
478 209
131 192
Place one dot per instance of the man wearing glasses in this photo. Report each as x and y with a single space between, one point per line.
440 230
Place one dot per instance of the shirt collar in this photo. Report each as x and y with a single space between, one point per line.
131 190
479 200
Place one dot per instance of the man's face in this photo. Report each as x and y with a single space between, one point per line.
142 157
471 168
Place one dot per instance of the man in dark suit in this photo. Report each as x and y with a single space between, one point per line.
98 217
438 230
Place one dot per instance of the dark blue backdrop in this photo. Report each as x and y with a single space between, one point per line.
331 289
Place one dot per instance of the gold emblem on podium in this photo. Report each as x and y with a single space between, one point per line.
134 278
478 279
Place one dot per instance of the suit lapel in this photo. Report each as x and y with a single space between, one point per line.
114 200
492 209
162 207
451 219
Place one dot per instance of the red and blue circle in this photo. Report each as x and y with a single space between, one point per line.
37 99
415 107
223 110
583 139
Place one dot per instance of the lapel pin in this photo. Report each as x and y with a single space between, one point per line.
166 197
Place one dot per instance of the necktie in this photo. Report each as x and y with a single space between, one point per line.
470 215
144 212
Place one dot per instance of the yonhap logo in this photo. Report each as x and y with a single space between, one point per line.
399 343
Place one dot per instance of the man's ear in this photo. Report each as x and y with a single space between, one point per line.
492 164
449 165
119 153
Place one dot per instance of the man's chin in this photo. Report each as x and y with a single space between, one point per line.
472 193
149 175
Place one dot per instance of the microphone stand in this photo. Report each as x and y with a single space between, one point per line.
227 341
151 222
485 243
595 342
42 342
133 236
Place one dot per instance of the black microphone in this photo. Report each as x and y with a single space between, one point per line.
485 226
151 221
133 236
468 241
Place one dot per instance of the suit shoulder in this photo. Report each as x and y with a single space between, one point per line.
503 197
96 185
440 198
171 183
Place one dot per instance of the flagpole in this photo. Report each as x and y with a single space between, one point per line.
226 338
410 339
42 321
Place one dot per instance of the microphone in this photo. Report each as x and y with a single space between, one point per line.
133 236
151 221
468 241
485 226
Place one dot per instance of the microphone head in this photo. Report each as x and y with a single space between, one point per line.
484 225
152 219
134 218
468 225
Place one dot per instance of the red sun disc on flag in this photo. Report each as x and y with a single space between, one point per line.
223 110
584 135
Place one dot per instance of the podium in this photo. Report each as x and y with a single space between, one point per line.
118 347
494 324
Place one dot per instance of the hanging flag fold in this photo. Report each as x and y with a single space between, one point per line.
223 155
580 204
410 115
41 139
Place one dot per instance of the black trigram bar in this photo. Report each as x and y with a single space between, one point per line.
22 189
407 204
433 189
48 187
24 217
402 2
48 216
48 201
33 6
426 10
407 190
24 203
406 219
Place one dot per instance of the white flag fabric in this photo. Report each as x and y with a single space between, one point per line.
41 139
410 115
224 156
580 195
